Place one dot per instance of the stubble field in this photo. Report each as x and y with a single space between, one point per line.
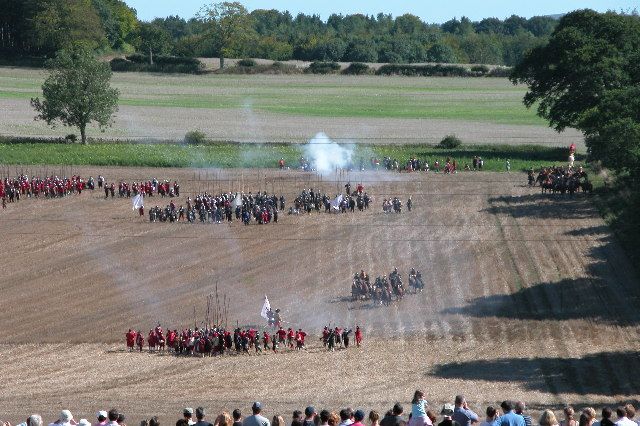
527 296
293 108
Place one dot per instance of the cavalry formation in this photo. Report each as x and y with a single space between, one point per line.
560 180
384 290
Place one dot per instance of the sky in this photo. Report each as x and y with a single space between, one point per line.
431 11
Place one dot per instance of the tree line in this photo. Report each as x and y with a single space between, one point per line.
228 29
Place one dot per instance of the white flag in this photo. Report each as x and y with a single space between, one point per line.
335 204
237 202
138 201
266 307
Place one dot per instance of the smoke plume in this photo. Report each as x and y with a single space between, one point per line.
326 155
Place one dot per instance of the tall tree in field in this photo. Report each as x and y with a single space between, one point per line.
77 92
230 26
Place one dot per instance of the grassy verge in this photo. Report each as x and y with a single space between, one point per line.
234 155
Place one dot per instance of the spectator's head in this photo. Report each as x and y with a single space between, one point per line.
121 418
101 416
237 415
631 411
84 422
548 418
568 412
277 421
334 419
621 412
491 412
459 402
346 414
324 417
590 412
432 416
256 407
506 406
112 415
187 413
358 415
224 419
584 420
417 396
66 416
153 421
520 407
34 420
200 413
309 412
607 413
397 409
374 417
182 422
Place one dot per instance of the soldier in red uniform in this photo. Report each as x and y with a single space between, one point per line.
300 335
282 335
290 337
131 339
358 336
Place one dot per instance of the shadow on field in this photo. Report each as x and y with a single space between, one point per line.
608 291
603 373
543 206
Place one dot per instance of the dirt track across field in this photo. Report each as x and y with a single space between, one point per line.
527 296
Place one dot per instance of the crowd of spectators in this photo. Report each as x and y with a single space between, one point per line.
458 414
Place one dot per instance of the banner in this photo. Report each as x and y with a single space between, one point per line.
266 307
138 201
335 204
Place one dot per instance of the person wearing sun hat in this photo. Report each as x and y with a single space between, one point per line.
102 418
65 419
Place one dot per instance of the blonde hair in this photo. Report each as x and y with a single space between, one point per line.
590 412
334 419
548 418
223 419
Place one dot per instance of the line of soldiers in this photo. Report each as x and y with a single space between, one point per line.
48 187
384 289
337 337
394 205
207 208
216 340
148 188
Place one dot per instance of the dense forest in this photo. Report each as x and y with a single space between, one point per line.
41 27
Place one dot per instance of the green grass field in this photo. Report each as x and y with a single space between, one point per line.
261 156
492 100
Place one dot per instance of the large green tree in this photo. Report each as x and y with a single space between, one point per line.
77 92
230 26
587 77
152 39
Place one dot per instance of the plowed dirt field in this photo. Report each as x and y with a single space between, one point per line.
527 296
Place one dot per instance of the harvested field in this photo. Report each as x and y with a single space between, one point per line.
293 108
527 296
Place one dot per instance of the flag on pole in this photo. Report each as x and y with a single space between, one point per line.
138 201
266 307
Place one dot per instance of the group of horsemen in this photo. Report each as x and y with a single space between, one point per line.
560 179
384 290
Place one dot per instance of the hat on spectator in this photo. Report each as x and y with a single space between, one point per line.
102 413
256 405
66 416
84 422
187 411
309 411
358 415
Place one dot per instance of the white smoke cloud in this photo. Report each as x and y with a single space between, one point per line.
326 155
